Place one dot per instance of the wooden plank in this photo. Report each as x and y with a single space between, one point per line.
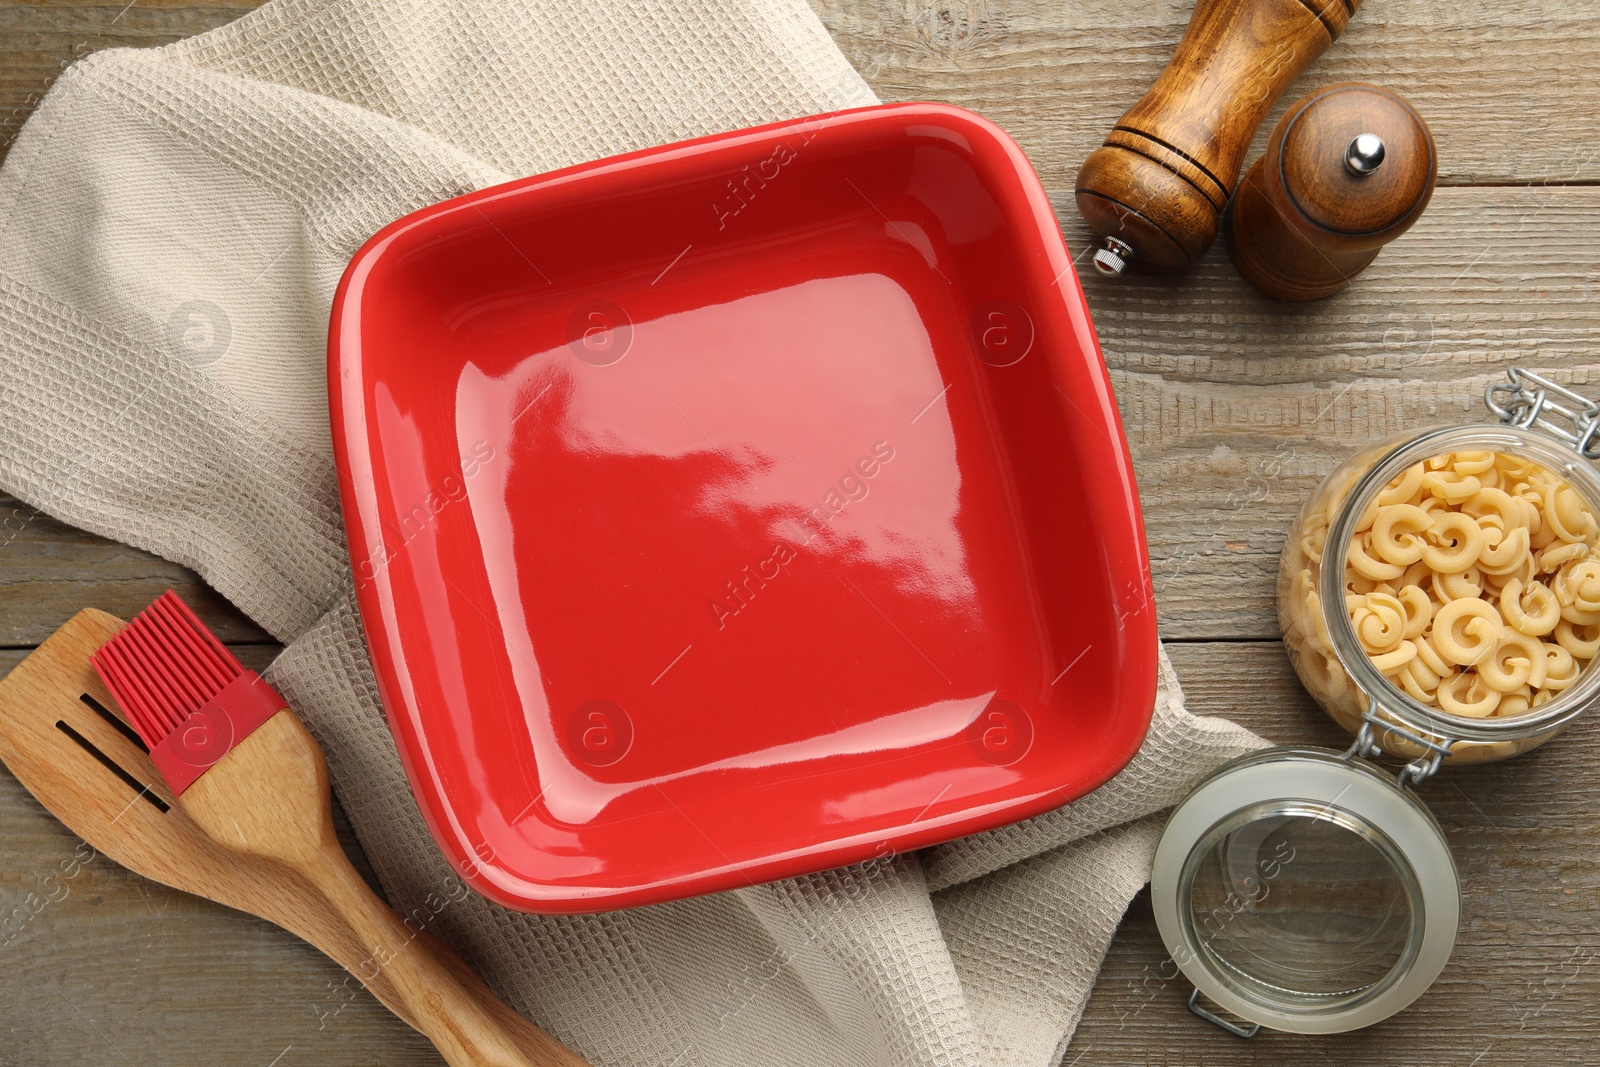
1058 75
50 571
1508 89
1524 983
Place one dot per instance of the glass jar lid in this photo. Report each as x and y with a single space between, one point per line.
1306 891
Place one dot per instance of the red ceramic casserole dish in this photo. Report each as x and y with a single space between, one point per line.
739 508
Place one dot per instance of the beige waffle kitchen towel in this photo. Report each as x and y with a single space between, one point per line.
172 226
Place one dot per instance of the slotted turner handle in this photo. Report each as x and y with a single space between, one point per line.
268 798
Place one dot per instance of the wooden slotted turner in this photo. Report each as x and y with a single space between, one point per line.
80 760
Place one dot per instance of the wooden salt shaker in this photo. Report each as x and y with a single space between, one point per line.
1348 169
1155 190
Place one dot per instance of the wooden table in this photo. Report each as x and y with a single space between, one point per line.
1235 407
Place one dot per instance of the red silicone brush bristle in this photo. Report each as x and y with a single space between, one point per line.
164 666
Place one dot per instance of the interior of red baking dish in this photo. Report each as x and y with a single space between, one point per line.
739 508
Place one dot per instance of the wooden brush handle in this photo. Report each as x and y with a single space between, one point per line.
1159 183
269 798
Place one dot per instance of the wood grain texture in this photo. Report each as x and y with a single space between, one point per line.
49 572
1508 89
1235 407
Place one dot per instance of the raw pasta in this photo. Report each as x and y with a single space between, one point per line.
1474 583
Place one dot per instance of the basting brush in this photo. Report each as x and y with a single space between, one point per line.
247 771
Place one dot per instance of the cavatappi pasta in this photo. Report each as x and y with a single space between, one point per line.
1472 581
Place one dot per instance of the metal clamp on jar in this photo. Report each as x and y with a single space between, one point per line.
1309 890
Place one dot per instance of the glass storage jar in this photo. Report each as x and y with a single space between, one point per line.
1311 890
1312 579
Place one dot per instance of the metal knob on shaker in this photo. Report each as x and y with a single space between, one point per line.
1347 170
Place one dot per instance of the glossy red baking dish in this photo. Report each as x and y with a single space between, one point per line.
739 508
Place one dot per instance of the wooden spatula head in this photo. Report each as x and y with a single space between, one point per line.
62 737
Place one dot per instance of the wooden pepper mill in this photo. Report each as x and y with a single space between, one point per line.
1347 170
1156 189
